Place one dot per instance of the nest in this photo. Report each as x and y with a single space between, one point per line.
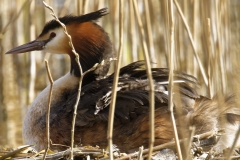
199 148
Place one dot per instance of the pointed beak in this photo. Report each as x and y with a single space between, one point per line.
31 46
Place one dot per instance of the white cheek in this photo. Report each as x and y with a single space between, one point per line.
58 43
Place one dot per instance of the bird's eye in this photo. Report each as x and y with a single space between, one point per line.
52 35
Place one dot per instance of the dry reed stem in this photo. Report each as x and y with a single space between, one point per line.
220 44
196 10
234 144
149 33
63 10
115 83
132 33
85 7
150 80
15 17
209 57
48 108
219 59
192 42
170 85
187 152
80 80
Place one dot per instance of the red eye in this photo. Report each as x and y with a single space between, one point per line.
52 35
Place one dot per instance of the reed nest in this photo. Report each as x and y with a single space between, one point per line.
200 149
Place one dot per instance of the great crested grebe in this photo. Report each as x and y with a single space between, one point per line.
131 116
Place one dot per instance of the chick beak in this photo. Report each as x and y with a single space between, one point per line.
31 46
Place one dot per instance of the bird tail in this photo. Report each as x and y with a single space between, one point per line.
214 114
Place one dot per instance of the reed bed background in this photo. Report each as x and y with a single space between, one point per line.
214 25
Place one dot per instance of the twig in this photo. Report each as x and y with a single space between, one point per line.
140 152
55 144
80 80
11 154
151 86
38 153
170 85
48 109
97 65
77 152
172 144
156 148
192 42
115 83
224 158
82 151
88 157
3 153
207 135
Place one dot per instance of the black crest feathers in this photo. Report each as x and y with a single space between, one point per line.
71 19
